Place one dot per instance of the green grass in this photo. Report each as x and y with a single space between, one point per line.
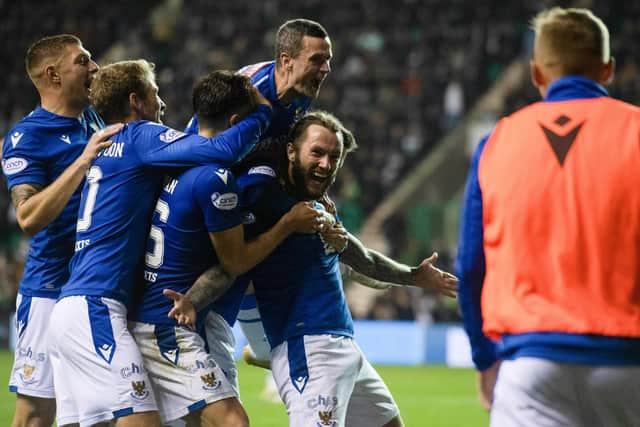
433 396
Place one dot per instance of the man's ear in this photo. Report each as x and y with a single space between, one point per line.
286 61
608 71
291 152
235 118
52 74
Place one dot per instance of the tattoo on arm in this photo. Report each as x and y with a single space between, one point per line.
22 192
373 264
209 286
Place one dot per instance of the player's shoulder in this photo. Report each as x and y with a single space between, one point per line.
257 71
145 130
28 133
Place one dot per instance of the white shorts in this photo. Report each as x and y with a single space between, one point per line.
537 392
325 380
222 346
32 374
97 367
184 376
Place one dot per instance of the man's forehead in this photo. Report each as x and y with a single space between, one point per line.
316 43
317 134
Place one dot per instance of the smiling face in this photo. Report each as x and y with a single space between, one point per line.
314 160
310 67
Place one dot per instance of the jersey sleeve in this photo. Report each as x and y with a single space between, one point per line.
470 267
22 162
216 194
158 145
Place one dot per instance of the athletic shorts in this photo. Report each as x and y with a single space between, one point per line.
97 368
184 375
32 374
533 392
222 347
325 380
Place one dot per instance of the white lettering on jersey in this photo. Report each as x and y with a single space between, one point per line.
81 244
225 201
223 175
15 138
171 185
14 165
115 150
66 139
264 170
150 276
171 135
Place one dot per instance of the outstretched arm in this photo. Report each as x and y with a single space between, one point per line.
382 268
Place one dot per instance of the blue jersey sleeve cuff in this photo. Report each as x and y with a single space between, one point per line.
484 353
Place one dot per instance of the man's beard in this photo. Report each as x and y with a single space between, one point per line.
300 177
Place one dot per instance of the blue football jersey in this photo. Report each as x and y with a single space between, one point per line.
263 77
298 286
121 192
36 151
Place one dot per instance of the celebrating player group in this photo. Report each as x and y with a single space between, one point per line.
146 240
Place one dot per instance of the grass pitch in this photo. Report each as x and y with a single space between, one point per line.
428 396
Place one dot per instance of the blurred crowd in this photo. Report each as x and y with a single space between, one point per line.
403 74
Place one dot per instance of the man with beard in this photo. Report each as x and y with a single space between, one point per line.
322 375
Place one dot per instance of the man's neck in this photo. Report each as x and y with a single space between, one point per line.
56 105
208 132
284 88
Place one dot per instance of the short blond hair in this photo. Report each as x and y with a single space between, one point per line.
574 39
51 48
114 83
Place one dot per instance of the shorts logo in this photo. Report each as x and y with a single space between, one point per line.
140 391
210 382
27 374
127 371
171 135
14 165
225 201
326 419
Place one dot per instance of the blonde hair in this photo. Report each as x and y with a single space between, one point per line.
574 40
114 83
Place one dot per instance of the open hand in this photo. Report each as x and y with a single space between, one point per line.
427 276
183 311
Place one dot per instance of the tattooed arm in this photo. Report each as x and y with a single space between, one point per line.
207 288
36 207
382 268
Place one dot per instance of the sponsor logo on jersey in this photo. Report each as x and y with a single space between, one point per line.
171 135
326 419
263 170
65 139
224 201
14 165
15 138
27 374
139 391
210 382
223 174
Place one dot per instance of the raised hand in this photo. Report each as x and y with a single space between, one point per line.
427 276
